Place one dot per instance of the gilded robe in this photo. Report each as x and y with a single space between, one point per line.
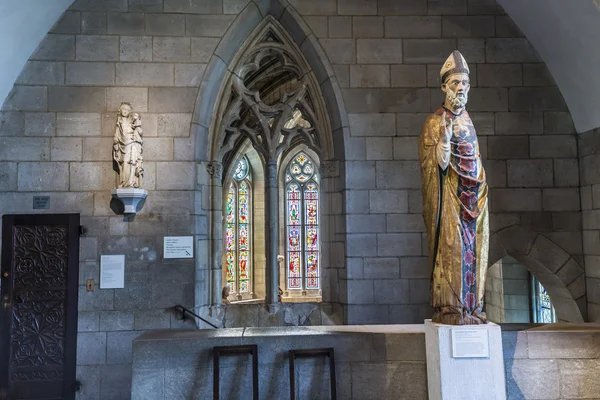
455 211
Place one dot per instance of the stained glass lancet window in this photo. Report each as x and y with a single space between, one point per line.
302 227
238 221
544 310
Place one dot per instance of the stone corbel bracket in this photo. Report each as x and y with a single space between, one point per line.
131 199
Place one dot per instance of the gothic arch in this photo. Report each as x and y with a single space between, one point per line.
274 21
557 270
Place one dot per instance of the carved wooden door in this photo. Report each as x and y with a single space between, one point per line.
38 322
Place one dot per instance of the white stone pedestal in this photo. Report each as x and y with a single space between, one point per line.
130 197
452 377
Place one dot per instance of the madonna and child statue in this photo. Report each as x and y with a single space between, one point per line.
455 206
127 154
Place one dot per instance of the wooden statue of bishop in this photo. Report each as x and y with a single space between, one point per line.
455 206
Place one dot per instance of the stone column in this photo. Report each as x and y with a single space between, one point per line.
215 170
272 234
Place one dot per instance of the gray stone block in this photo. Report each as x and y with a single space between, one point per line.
357 201
137 97
405 223
409 75
563 199
407 7
358 7
78 124
148 384
189 74
358 223
88 249
133 297
566 172
193 6
378 51
55 48
97 149
95 5
379 148
381 268
158 149
491 75
317 24
244 24
42 73
406 148
92 176
183 149
130 24
360 291
471 26
89 376
97 48
115 382
12 123
519 123
119 345
413 27
537 75
488 99
116 320
175 176
90 74
367 27
398 175
525 379
172 125
91 348
171 49
93 23
203 48
490 7
361 245
234 6
472 49
26 98
530 173
427 51
8 177
386 100
447 7
409 124
398 244
391 291
536 99
360 174
556 146
172 100
405 378
512 200
146 5
510 50
388 201
340 51
496 173
558 123
65 149
145 74
340 27
369 76
152 319
508 147
372 124
135 48
76 99
20 203
69 22
415 267
315 7
87 321
207 25
36 177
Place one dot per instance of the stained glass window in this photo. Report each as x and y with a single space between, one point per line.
302 224
544 310
238 206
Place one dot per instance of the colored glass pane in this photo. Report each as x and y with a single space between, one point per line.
230 267
241 169
294 238
244 273
312 270
230 205
294 278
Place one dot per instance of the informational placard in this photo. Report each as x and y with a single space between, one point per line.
112 272
179 247
470 343
41 202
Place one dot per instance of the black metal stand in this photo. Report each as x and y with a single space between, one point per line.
328 352
249 349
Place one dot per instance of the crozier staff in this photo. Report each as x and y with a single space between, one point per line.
455 206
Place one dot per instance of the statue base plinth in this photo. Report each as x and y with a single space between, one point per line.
464 362
130 197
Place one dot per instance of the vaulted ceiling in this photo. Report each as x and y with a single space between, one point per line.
566 34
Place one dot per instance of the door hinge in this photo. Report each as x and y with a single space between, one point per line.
82 230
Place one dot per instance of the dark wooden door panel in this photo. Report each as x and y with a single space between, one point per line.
40 263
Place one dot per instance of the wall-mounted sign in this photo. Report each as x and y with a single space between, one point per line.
112 272
41 202
470 343
179 247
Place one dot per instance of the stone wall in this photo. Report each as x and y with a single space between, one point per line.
494 294
57 124
517 286
372 362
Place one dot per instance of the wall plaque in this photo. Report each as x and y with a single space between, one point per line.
41 202
470 343
112 272
179 247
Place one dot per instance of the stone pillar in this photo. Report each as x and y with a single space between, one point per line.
215 171
272 234
450 377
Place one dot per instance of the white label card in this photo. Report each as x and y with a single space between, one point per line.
179 247
112 272
470 343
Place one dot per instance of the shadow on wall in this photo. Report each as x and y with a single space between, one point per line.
558 272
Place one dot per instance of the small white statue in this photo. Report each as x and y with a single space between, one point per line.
127 147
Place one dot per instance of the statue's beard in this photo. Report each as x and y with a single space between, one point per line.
457 100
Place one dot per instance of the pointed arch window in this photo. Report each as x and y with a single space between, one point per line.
238 223
302 224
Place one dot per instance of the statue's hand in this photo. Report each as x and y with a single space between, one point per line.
446 129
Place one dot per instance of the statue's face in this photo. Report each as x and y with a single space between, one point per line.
125 110
457 88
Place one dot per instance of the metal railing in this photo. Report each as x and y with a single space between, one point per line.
184 310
